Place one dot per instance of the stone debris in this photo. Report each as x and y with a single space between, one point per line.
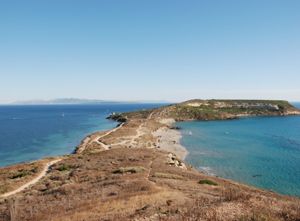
174 161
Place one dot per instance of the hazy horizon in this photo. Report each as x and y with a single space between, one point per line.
49 101
156 50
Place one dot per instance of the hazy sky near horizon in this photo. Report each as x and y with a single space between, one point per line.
149 50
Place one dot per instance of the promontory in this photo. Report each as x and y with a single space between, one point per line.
137 171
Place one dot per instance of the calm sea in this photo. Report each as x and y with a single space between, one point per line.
32 132
261 151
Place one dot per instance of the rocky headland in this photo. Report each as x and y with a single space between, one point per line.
137 172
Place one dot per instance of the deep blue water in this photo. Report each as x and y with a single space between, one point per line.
261 151
32 132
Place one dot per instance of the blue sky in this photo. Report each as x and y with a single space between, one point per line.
149 50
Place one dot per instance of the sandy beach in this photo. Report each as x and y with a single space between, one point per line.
169 139
121 174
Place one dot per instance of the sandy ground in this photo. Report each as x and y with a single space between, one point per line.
169 139
157 183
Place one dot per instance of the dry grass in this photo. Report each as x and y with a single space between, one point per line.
235 193
168 176
12 177
134 183
91 189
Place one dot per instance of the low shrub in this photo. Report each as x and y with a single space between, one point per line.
123 170
232 194
208 182
64 167
20 174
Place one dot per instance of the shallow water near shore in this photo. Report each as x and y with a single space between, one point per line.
262 151
35 131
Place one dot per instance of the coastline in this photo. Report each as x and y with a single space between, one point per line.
137 171
95 137
226 151
168 139
165 136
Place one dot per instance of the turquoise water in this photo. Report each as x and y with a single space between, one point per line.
262 151
32 132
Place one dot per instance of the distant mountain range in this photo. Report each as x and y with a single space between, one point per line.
78 101
68 101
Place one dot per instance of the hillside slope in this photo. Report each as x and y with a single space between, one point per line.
226 109
126 174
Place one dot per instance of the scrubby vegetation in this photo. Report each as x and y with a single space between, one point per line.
133 179
136 169
20 174
97 187
214 110
23 172
226 109
208 182
14 176
63 167
123 117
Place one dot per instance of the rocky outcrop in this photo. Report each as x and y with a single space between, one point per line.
174 161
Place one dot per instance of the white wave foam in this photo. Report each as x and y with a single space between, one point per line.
207 170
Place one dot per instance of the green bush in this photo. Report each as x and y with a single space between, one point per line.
20 174
208 182
64 167
136 169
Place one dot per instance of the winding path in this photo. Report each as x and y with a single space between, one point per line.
33 181
97 139
130 142
139 131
